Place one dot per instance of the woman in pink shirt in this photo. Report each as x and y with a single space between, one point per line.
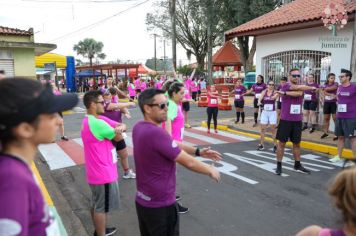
132 91
194 88
57 92
212 109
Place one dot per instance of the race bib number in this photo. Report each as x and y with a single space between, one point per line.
214 101
307 97
342 108
237 96
280 98
257 95
295 109
182 133
268 107
114 155
328 98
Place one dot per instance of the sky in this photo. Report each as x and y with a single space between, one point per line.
124 34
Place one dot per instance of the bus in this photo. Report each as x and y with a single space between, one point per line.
250 79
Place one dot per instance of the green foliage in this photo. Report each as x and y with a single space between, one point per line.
90 48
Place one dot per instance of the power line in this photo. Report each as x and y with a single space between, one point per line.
98 22
78 1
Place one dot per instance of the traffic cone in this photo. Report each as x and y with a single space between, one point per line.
224 101
203 99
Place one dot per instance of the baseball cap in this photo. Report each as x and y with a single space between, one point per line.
43 102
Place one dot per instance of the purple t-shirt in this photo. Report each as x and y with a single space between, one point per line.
258 88
269 103
310 95
114 115
329 98
291 106
23 211
346 97
238 91
155 153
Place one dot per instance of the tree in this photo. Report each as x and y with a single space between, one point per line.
90 48
191 25
239 12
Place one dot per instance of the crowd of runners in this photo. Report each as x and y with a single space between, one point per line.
31 118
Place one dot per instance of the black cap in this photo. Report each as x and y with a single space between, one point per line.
45 103
345 71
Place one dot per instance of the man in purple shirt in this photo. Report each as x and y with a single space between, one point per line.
290 125
345 125
156 155
28 117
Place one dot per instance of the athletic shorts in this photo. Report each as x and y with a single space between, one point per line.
279 105
161 221
186 106
138 90
345 127
289 130
239 103
310 105
132 97
268 117
105 197
255 102
329 108
120 145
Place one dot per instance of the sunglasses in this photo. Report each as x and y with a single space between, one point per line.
296 76
161 106
271 84
101 102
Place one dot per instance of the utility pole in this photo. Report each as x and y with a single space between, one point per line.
353 49
172 4
155 56
164 56
210 42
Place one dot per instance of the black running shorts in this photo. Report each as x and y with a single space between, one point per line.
239 103
329 108
310 105
186 106
120 145
289 130
345 127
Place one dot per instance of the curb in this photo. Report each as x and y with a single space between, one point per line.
317 147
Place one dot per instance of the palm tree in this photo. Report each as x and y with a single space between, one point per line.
90 48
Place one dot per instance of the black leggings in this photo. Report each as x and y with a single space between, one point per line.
212 112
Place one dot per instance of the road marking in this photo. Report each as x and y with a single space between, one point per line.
230 135
55 157
202 137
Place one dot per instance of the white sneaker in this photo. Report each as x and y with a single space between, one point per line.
129 175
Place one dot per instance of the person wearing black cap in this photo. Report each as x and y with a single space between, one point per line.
28 117
345 126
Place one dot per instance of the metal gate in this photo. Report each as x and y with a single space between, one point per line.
277 65
7 65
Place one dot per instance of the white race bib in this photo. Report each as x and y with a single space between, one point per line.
268 107
213 101
114 155
341 107
257 95
237 96
307 97
328 98
295 109
280 98
53 229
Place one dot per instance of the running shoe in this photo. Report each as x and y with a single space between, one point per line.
260 147
324 135
311 130
335 159
187 126
178 198
301 169
64 138
236 121
108 231
335 138
208 131
274 148
129 175
216 131
278 170
182 209
304 128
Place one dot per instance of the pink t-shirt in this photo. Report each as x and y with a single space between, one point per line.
194 86
137 84
187 85
57 92
159 85
100 154
212 101
143 86
132 91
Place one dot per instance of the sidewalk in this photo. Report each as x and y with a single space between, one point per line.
309 141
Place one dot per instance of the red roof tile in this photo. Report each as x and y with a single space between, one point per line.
227 55
295 12
12 31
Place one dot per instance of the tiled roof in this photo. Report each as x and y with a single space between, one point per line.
227 55
12 31
297 11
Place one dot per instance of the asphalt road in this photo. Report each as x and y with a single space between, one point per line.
249 200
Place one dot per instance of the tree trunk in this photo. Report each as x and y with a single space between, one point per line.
353 53
174 33
249 62
200 60
244 50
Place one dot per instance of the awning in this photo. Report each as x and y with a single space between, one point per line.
60 60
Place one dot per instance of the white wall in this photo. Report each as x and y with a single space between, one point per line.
306 39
